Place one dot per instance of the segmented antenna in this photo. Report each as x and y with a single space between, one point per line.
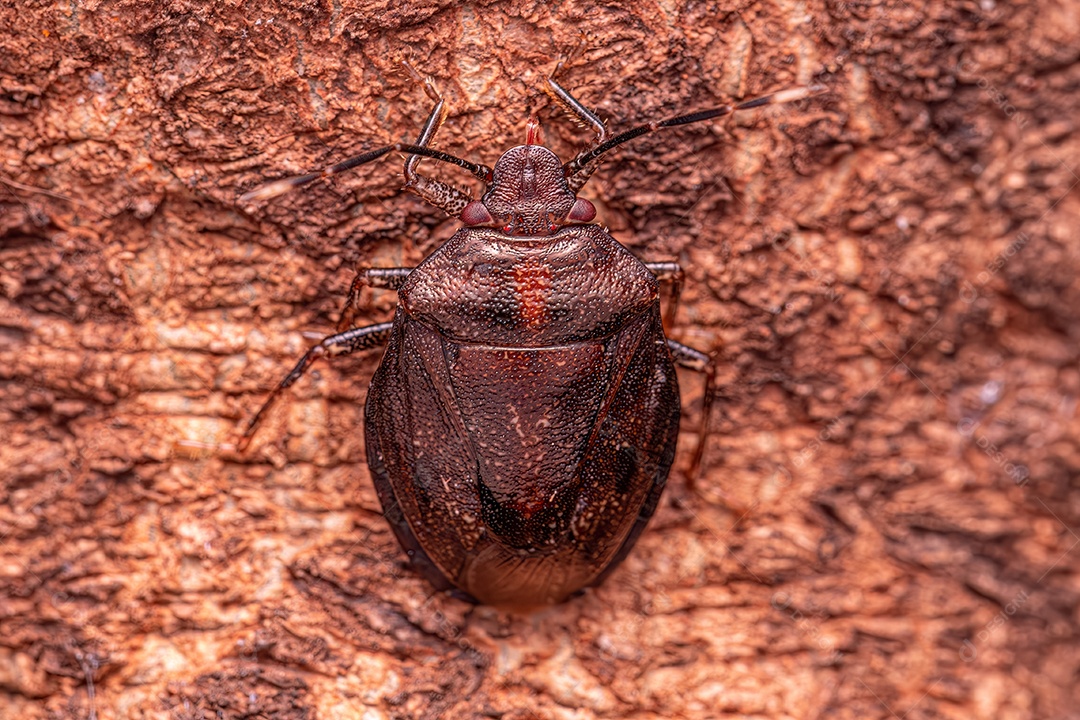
280 187
782 96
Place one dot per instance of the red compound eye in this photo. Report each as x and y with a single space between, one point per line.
583 211
475 214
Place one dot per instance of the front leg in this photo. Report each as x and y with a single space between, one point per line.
442 195
582 116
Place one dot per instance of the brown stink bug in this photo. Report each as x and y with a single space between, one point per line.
523 420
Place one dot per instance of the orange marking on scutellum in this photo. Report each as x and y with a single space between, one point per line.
532 284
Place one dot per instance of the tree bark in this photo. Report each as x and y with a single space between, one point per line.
887 519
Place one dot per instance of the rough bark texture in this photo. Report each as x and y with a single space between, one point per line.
887 521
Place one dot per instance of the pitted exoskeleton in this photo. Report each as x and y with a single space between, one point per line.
523 420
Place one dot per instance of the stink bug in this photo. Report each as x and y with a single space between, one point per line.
523 420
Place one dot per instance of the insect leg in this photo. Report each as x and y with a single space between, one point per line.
574 108
669 272
691 359
442 195
582 116
434 121
344 343
382 278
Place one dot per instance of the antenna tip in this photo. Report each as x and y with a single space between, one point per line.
268 191
786 96
196 449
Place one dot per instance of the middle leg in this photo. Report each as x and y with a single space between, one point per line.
380 278
344 343
669 272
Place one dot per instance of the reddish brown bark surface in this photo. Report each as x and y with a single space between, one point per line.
888 270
